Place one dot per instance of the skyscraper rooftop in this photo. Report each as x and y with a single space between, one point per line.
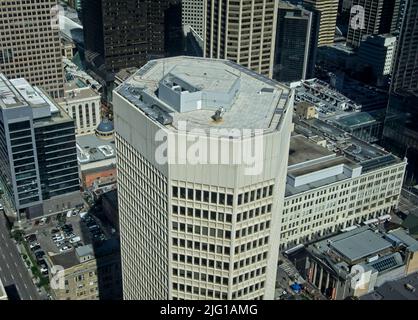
193 89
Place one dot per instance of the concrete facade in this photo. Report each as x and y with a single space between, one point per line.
328 20
329 198
83 105
193 14
32 51
181 237
243 32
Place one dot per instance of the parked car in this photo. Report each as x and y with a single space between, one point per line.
31 237
39 254
33 244
65 248
75 239
58 239
54 231
59 244
35 248
94 227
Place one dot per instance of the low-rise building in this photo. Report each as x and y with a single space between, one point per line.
326 99
355 262
329 189
82 104
90 273
97 160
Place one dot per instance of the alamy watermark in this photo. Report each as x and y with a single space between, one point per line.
213 147
357 17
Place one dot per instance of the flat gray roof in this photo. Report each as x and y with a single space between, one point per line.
302 150
84 250
91 148
359 245
257 105
395 290
66 259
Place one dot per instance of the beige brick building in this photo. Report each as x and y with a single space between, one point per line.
243 32
328 20
89 274
30 45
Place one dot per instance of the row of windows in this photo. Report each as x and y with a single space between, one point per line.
252 229
249 275
250 260
198 276
248 290
254 195
221 198
251 245
200 230
211 294
203 214
204 196
243 216
202 246
201 262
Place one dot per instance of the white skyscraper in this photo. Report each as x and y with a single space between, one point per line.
200 216
192 14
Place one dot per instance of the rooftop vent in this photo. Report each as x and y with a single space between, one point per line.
218 114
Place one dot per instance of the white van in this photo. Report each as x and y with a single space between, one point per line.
75 240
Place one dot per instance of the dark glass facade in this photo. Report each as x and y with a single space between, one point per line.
296 43
57 159
123 33
401 125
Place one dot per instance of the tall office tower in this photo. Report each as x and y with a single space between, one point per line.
39 169
380 17
401 130
328 11
296 43
405 75
378 52
192 14
205 227
243 32
30 44
121 34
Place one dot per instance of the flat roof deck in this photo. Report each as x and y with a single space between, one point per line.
360 245
302 150
258 104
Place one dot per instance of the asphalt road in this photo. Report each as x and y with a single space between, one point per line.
12 269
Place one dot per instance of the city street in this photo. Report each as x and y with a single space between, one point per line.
12 269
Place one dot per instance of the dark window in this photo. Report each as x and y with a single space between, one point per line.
206 196
214 197
190 194
221 198
229 200
175 192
